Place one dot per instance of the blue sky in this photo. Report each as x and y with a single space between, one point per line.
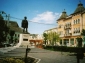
41 11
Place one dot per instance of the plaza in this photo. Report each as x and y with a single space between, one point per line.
44 56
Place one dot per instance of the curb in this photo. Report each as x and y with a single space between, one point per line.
37 60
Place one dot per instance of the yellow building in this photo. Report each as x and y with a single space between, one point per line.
70 27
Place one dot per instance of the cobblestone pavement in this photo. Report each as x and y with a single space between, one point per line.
46 56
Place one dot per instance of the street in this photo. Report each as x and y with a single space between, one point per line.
45 56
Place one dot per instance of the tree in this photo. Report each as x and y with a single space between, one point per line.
56 38
3 29
45 37
50 37
53 37
83 34
79 39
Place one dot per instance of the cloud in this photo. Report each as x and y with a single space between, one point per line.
46 17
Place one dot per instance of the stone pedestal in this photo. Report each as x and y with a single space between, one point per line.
23 41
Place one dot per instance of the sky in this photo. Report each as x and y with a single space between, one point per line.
41 14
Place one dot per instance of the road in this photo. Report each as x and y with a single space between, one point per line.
45 56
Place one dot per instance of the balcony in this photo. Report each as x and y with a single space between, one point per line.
61 36
67 35
67 26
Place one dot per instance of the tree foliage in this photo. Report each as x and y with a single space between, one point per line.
83 32
3 29
52 37
79 39
45 37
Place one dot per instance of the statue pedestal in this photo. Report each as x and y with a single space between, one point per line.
23 41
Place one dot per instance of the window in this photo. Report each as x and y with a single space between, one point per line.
59 26
72 41
78 30
74 21
18 35
74 31
78 21
15 35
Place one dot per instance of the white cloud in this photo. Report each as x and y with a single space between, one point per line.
46 17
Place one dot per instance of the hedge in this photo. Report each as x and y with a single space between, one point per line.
64 48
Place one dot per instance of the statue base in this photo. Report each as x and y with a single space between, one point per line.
23 41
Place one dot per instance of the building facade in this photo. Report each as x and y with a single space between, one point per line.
70 27
13 26
36 40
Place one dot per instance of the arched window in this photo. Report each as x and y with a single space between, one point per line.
74 21
78 21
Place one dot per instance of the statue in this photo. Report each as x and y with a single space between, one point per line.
24 25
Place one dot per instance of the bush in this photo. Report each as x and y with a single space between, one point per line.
11 60
16 60
64 48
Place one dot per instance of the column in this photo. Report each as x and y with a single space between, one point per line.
69 42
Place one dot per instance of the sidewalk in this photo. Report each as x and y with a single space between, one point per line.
6 49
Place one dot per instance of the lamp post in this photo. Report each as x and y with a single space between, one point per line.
27 50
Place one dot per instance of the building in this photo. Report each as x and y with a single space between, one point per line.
36 40
70 27
13 26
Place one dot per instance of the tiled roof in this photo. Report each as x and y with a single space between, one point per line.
80 8
16 29
64 15
13 25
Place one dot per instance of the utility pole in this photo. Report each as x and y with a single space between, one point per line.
8 19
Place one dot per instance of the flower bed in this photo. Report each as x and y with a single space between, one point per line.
16 60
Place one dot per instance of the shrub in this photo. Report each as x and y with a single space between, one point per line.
65 48
11 60
16 60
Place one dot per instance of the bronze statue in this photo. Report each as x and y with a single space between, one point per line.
24 25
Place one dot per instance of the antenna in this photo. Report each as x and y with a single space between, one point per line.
79 1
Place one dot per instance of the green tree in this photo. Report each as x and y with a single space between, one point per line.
53 37
45 37
56 38
79 39
3 29
50 37
83 32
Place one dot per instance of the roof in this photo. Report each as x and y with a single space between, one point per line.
13 25
80 8
64 15
16 29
